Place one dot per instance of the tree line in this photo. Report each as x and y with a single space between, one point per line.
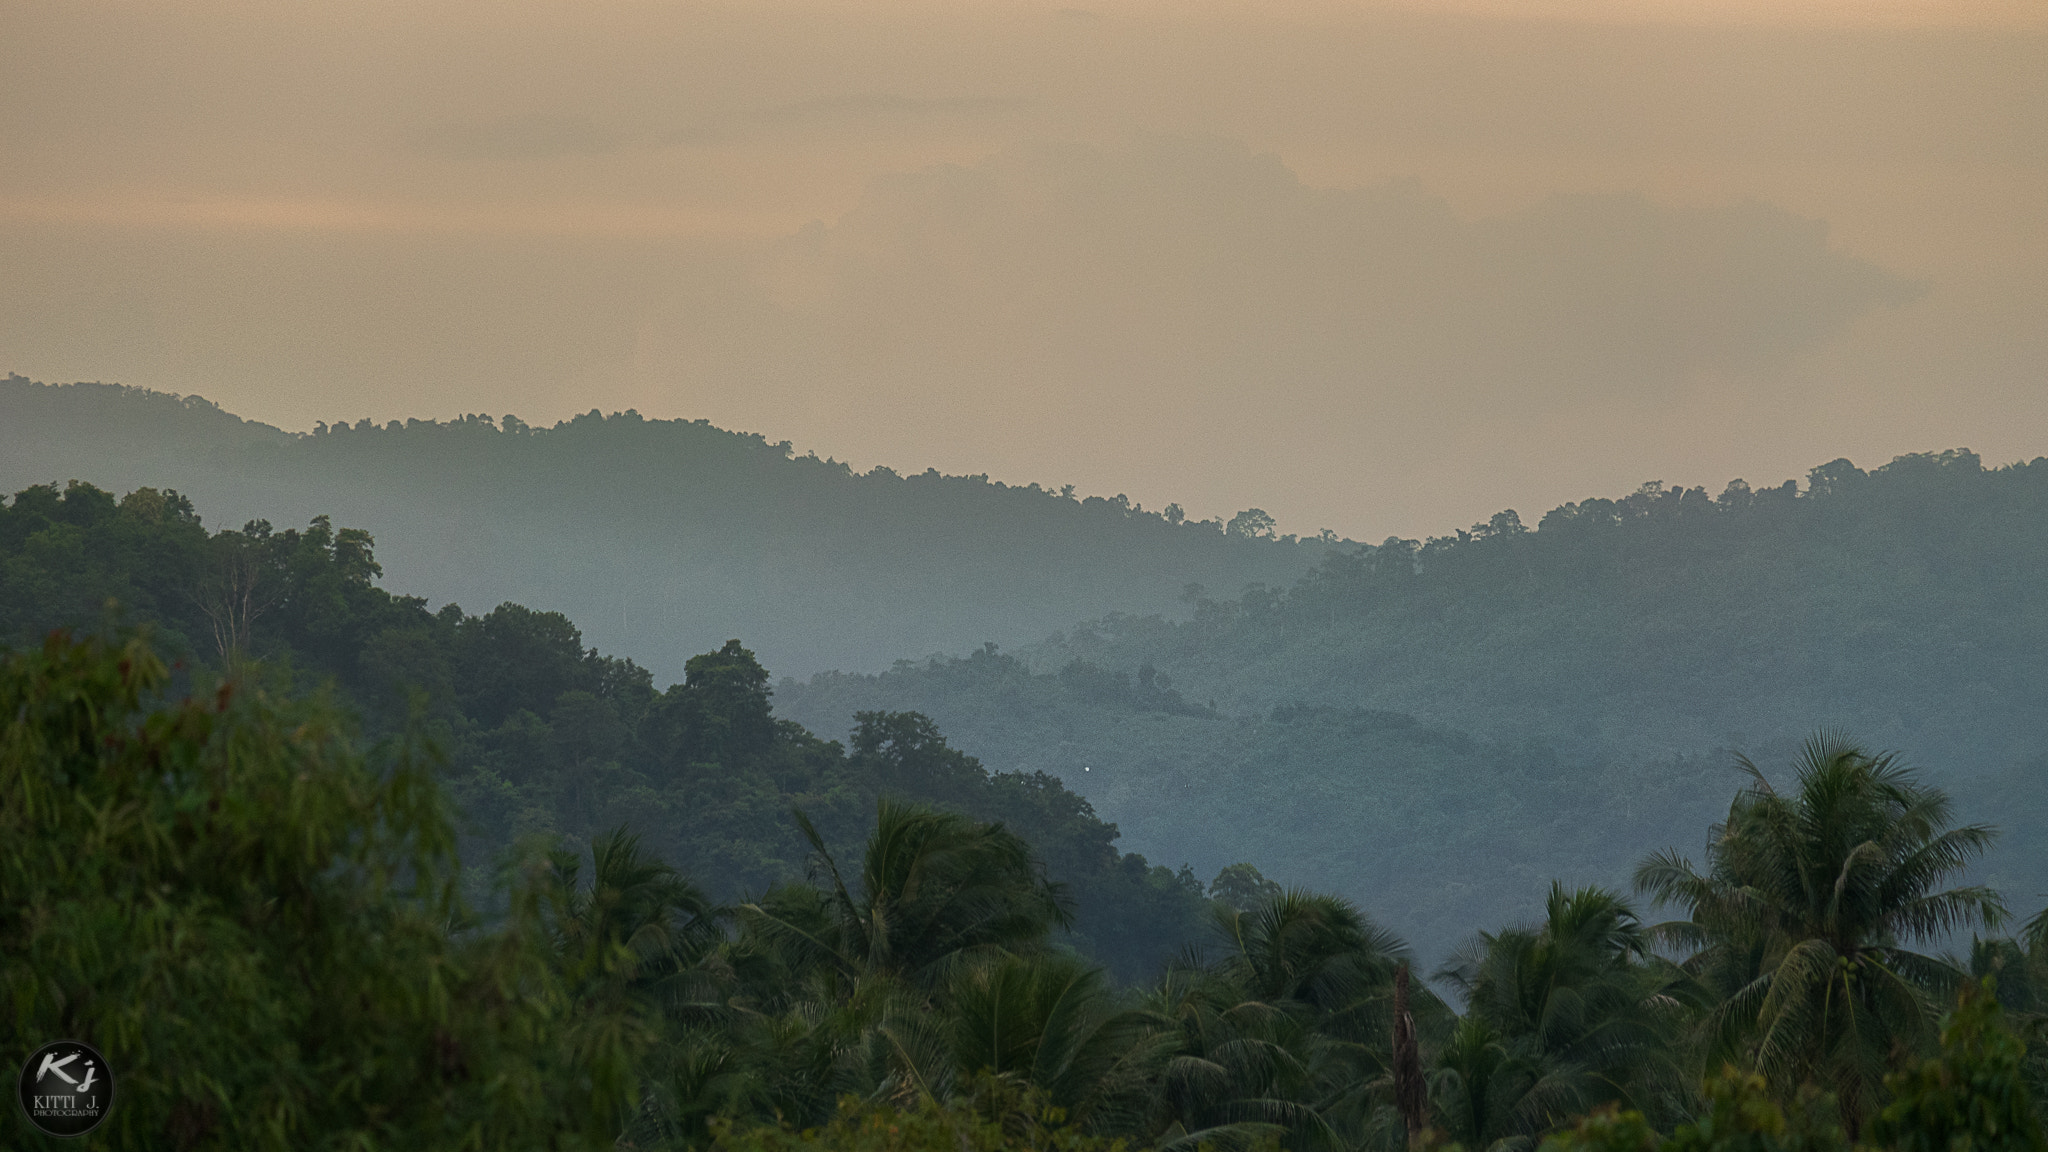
1599 656
661 537
1899 598
343 871
543 736
262 924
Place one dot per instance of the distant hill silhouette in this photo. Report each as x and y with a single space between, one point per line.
1437 728
658 537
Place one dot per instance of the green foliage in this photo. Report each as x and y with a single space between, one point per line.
1971 1097
1562 1019
1047 1021
1242 887
2018 970
262 924
644 531
261 929
545 737
1432 828
1740 1116
927 969
1801 919
934 887
253 923
627 943
995 1117
1302 947
1607 1130
65 553
1437 727
1287 1031
1663 619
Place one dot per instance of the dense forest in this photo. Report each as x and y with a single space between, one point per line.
1433 828
661 538
1901 601
1439 727
544 736
260 917
317 864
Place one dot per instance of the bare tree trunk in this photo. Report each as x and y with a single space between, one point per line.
1410 1097
233 601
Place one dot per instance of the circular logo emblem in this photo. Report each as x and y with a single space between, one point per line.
66 1088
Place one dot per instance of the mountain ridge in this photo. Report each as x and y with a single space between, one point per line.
1589 683
661 537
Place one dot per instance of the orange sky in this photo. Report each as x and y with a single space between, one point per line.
1300 255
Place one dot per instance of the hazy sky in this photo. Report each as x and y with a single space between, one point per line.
1382 268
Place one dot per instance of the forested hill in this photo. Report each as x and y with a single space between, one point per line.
659 538
1436 727
541 735
1908 603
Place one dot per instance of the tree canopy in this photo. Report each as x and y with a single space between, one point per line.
315 866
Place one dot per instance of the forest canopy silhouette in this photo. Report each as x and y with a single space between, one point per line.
1092 576
671 917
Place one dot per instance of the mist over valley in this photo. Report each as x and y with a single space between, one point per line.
1434 728
1018 576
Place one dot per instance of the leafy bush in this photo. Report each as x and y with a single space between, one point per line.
996 1115
1971 1098
258 927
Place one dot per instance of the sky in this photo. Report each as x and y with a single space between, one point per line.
1383 268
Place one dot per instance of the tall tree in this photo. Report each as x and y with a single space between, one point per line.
256 924
1586 1013
1287 1030
1050 1021
1801 920
933 887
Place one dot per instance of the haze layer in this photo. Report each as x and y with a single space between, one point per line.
1372 268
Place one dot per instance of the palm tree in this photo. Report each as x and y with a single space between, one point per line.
639 923
1318 951
1050 1022
1801 919
629 947
1289 1029
840 988
934 887
1239 1068
1481 1086
1560 1019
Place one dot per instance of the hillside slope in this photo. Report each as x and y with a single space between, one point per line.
1436 728
1908 603
536 734
1432 830
659 538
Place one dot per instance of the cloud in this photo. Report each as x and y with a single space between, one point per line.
888 105
1194 266
1617 290
525 137
859 115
